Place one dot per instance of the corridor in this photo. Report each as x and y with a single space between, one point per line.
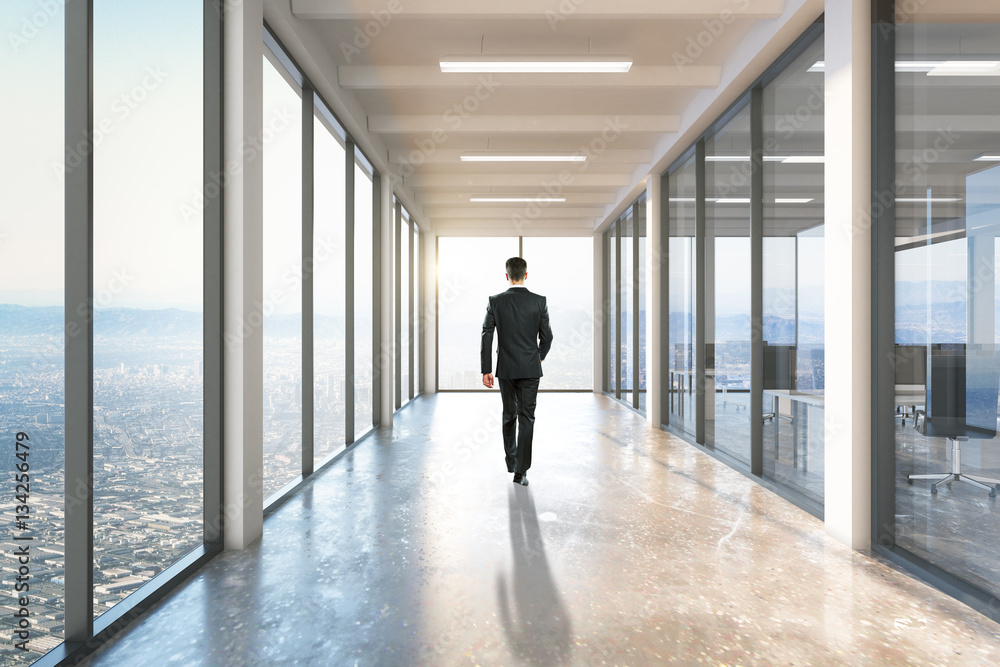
629 547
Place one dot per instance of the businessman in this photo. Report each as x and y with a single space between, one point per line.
521 319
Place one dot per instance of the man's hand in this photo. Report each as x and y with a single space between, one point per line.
488 380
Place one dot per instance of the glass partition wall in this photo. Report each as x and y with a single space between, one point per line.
682 267
743 224
625 289
793 276
938 458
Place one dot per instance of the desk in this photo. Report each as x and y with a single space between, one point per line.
798 400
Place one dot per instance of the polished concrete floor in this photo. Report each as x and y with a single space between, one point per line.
629 547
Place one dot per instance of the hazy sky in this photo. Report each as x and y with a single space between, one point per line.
147 154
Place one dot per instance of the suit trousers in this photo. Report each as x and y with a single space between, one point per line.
518 397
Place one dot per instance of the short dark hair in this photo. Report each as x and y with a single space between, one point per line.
516 268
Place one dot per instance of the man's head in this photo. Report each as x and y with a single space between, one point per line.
517 270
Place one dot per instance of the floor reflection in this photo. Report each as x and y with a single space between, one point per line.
533 615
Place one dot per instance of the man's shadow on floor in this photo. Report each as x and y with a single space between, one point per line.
538 627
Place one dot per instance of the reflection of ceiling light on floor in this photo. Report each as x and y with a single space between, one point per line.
925 200
544 200
502 157
536 64
938 67
986 157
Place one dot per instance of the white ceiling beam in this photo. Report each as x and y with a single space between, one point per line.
555 13
452 156
523 211
453 123
408 77
537 181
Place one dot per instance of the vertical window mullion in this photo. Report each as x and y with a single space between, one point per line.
700 286
757 281
378 377
410 228
398 306
349 291
634 352
308 224
79 338
618 310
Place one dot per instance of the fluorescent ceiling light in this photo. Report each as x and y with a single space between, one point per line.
681 199
797 159
480 200
536 64
784 159
500 157
925 200
730 200
937 67
792 200
986 157
967 68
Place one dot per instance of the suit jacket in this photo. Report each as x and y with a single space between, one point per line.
521 319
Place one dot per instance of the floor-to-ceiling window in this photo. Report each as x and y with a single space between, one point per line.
364 298
561 269
640 278
282 310
793 275
109 314
404 298
469 271
945 254
32 389
418 312
727 287
329 295
681 302
148 305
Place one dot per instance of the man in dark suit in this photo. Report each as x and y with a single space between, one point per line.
521 319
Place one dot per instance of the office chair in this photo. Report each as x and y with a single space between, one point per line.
962 411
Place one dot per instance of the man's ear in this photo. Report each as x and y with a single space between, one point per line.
506 277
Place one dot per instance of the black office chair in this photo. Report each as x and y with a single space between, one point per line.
962 404
779 366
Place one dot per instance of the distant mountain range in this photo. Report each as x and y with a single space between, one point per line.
139 323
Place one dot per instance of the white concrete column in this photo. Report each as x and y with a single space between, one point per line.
654 299
599 315
243 282
848 271
387 357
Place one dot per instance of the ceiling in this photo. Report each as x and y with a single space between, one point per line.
387 55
